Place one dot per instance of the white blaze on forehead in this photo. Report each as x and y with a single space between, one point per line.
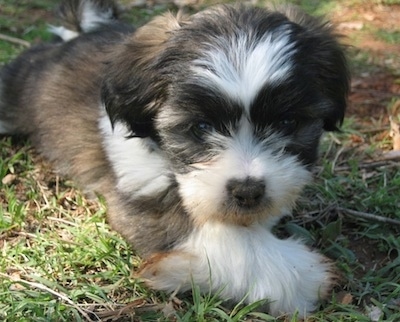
240 67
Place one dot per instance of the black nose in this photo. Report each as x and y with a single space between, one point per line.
246 193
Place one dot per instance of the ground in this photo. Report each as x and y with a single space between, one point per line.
376 82
61 262
375 85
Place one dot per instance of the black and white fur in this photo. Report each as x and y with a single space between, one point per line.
200 131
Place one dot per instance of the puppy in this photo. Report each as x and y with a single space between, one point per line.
200 131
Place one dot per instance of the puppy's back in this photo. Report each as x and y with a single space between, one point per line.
23 81
52 91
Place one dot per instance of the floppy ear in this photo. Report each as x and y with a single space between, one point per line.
134 87
325 62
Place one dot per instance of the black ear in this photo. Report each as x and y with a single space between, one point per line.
134 87
131 98
333 81
324 62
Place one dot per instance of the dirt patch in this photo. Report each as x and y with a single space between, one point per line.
377 83
372 94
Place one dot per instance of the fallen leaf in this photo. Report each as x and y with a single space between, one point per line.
395 133
16 277
8 179
344 298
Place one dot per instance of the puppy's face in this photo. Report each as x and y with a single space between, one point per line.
236 101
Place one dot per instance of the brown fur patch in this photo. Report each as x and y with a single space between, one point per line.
153 36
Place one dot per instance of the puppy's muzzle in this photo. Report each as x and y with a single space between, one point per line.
247 193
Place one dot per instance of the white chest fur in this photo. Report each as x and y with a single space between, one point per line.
139 170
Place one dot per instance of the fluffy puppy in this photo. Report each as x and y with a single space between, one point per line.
200 131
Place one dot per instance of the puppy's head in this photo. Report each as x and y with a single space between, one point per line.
236 100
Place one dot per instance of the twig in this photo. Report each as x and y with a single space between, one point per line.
49 290
15 40
368 216
316 215
392 155
374 130
336 158
380 93
67 222
365 165
22 233
387 159
130 309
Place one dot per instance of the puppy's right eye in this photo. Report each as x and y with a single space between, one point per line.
201 129
288 125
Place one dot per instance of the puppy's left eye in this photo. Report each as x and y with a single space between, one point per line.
200 129
288 125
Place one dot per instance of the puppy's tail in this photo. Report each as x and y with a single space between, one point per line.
82 16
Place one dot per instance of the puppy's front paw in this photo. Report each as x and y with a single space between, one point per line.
286 273
306 279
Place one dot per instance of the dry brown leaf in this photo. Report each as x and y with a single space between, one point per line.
8 179
344 298
395 133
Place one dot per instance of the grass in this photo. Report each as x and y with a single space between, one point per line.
61 262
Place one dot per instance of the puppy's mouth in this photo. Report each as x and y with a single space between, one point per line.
246 216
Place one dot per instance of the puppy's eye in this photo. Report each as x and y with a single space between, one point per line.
288 125
201 129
